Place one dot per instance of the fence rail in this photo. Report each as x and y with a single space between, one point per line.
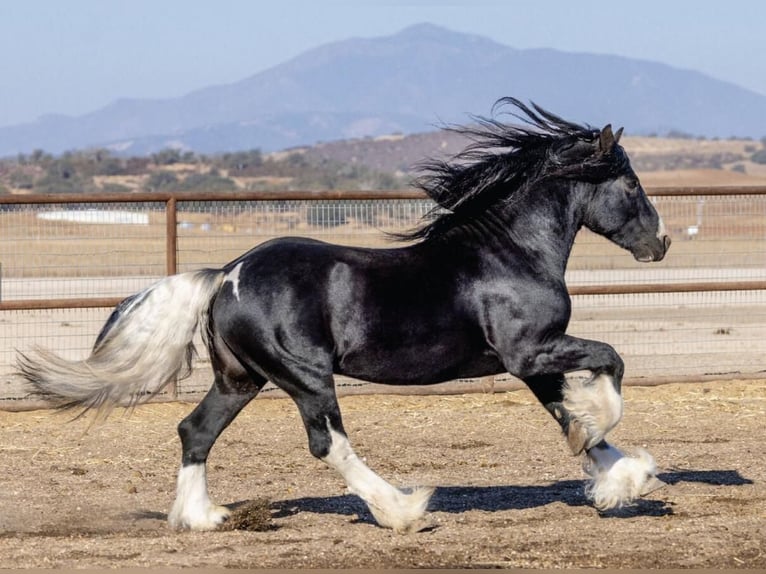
54 273
171 200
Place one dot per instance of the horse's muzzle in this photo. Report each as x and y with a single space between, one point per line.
665 246
654 253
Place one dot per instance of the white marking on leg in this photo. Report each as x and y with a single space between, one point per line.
192 508
390 506
617 480
233 277
594 406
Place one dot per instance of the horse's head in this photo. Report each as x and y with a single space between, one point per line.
619 208
505 161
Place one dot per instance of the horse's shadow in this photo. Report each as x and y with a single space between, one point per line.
714 477
459 499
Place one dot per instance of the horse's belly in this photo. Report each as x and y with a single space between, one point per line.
417 366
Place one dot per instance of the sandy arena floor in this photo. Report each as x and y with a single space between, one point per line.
508 493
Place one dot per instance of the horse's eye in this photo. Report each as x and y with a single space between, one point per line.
631 185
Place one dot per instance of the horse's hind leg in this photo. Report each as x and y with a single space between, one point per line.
328 441
587 411
226 398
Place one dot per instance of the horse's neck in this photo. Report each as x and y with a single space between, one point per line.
538 233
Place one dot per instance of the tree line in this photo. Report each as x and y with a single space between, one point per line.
101 170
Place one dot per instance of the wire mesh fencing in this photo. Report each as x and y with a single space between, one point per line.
63 265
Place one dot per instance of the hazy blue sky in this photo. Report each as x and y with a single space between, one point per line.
75 56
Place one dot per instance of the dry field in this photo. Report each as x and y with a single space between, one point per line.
508 494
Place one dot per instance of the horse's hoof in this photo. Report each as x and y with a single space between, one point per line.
652 483
621 480
417 526
404 512
209 519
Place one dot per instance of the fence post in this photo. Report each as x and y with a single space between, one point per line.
171 236
171 255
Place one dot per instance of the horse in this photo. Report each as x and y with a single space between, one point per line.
477 290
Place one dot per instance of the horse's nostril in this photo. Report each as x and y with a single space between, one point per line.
666 241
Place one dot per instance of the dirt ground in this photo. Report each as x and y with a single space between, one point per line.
508 494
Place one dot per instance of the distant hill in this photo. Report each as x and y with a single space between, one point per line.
405 83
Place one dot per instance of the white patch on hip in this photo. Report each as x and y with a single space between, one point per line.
233 277
192 508
390 506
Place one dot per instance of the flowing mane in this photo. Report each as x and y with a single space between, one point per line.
502 160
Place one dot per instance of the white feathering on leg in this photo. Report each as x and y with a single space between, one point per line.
617 480
391 507
594 406
192 508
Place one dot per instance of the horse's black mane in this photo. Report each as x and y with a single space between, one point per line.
501 160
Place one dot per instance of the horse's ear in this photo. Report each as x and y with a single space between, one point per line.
618 135
606 139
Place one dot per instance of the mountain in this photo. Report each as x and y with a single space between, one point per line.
409 82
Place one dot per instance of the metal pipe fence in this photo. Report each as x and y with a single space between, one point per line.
66 260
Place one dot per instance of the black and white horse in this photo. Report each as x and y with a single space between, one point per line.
480 291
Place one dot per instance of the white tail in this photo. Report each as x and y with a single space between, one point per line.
145 345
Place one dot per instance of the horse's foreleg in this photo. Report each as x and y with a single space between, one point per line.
615 479
391 507
586 411
193 508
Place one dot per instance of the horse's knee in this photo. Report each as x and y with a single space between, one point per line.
590 409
